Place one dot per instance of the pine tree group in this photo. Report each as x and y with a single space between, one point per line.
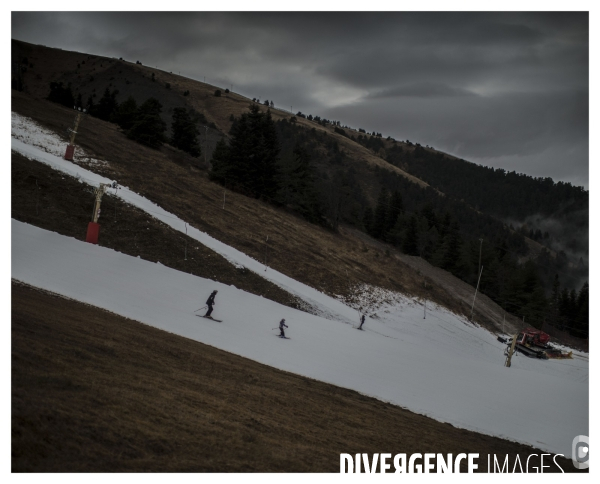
298 187
107 105
148 127
125 115
61 94
250 163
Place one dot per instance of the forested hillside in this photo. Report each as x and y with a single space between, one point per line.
456 215
554 213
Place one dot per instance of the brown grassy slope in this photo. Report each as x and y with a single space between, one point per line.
89 75
53 201
95 392
485 311
332 262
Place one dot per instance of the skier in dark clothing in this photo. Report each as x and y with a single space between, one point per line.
281 326
210 302
362 321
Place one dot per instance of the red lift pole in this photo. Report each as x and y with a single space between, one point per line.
94 227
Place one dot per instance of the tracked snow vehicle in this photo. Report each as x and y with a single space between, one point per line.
536 344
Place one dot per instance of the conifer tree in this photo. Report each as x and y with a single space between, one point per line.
535 307
448 253
106 106
368 220
125 115
429 214
411 238
395 235
184 132
381 212
395 208
554 301
445 226
148 127
299 186
220 164
61 95
253 154
583 312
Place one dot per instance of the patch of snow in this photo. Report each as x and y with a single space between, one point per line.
28 131
438 366
328 306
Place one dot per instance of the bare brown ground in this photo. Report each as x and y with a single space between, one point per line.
95 392
321 258
485 311
87 73
53 201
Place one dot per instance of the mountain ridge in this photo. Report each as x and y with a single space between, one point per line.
369 171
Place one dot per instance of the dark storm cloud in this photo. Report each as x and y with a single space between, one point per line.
503 89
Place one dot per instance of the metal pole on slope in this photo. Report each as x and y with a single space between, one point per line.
266 247
480 244
474 297
37 200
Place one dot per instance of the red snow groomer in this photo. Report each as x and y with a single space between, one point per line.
536 344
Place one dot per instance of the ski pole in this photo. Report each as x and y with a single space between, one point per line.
200 308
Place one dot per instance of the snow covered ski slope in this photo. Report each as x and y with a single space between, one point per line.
36 143
441 366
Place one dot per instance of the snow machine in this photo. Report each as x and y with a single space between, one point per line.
536 344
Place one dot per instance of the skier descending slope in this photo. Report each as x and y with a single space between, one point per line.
362 321
210 302
281 326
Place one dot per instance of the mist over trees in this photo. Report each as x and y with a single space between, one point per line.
553 213
521 288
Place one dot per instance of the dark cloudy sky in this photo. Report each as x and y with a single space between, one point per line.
508 90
